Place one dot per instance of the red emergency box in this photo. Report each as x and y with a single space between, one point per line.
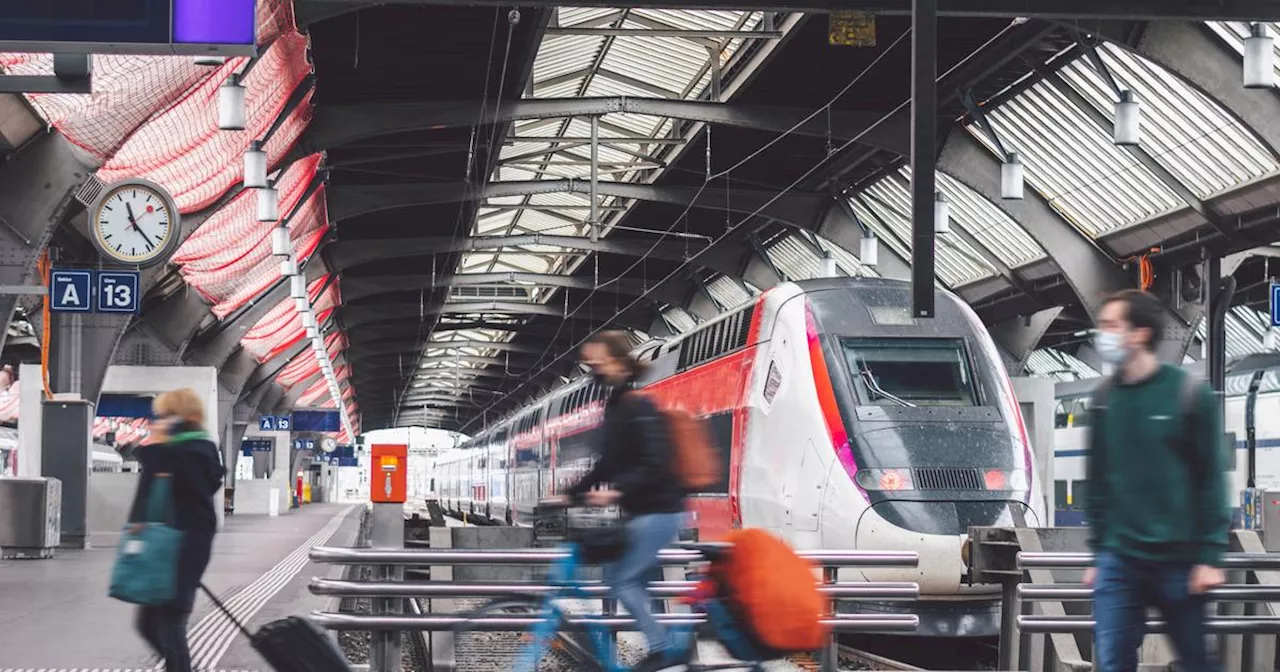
390 474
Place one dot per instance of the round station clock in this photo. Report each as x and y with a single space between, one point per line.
328 445
135 222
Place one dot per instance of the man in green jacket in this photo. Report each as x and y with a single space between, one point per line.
1156 499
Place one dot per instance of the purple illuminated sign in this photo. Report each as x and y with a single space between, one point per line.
213 21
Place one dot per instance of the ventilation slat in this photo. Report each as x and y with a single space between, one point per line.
940 478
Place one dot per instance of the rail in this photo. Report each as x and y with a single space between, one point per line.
385 591
1057 623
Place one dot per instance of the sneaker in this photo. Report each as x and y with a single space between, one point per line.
662 661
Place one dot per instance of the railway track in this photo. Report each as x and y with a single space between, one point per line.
865 660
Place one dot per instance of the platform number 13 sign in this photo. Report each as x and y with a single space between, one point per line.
117 292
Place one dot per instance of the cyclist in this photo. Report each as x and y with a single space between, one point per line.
635 459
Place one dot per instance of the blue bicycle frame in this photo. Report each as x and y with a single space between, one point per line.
566 586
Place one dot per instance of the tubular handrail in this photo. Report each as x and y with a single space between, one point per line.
545 556
1236 625
436 622
1237 592
1231 561
410 589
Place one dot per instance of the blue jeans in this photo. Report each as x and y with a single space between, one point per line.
1123 590
646 535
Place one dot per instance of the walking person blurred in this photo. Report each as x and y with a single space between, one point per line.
1156 499
635 458
179 449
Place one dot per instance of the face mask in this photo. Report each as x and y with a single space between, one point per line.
1110 346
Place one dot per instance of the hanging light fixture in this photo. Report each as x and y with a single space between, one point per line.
1128 130
288 268
231 113
870 250
1259 58
255 166
298 287
269 205
1011 177
309 321
941 213
281 245
827 266
301 305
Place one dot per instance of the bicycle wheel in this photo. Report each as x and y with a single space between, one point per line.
478 649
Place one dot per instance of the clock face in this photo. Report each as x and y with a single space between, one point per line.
135 223
328 445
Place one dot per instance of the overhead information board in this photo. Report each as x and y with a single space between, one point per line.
193 27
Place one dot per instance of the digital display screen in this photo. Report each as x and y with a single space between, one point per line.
128 22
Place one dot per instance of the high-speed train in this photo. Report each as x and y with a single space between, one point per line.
844 423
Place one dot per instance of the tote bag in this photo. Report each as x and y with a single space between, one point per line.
146 569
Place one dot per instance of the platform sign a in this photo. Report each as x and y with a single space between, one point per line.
267 423
117 291
1275 304
69 291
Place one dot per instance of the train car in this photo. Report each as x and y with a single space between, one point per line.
1070 443
844 423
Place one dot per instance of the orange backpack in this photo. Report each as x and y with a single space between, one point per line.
773 590
697 461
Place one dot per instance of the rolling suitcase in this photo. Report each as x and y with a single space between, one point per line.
291 644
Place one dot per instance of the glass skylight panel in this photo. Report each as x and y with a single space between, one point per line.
679 320
728 292
1054 363
794 258
957 262
846 261
997 231
1074 163
1186 132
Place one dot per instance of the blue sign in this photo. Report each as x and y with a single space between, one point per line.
117 291
137 26
256 446
316 421
311 444
247 451
284 423
123 406
348 462
1275 304
267 423
69 291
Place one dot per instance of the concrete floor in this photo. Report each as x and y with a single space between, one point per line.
56 615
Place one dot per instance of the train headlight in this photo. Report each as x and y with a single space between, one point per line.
885 479
1005 479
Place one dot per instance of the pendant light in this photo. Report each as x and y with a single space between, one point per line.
1259 58
312 332
827 266
870 250
309 322
288 268
1011 178
281 245
269 205
255 166
298 287
301 305
1128 130
941 213
231 115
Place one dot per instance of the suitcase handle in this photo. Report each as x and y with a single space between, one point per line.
223 608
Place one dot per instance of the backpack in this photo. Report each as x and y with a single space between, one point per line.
696 458
772 591
1186 404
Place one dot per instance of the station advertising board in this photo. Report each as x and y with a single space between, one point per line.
191 27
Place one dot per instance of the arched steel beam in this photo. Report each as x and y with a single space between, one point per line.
416 347
347 201
355 288
337 125
353 316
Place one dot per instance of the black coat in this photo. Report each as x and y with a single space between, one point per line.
197 474
635 456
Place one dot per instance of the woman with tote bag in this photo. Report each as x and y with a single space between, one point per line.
169 539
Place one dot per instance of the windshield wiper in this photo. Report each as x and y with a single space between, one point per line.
875 387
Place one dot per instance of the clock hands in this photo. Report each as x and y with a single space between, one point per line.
134 223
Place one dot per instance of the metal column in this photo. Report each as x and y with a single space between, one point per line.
595 178
387 531
924 142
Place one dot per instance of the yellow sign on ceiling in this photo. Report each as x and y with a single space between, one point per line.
851 29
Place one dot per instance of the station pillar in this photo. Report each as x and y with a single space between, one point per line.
388 483
66 447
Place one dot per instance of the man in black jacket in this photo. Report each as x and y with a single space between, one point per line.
635 458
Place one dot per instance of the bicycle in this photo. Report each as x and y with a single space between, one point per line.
587 638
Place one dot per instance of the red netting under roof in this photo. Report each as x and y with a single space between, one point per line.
281 327
306 364
182 149
9 402
265 274
317 394
128 90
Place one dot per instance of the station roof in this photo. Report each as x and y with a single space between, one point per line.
435 165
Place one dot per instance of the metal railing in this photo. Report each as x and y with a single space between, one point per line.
385 591
1059 623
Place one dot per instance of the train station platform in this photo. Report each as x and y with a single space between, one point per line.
56 615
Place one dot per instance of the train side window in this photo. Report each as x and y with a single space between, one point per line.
1079 494
1059 495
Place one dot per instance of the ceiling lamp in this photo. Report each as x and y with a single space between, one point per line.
281 245
1011 177
827 266
255 166
312 332
1128 130
269 205
302 305
941 213
298 287
870 250
309 320
1259 58
231 105
288 268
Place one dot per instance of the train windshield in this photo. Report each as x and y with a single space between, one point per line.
910 371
